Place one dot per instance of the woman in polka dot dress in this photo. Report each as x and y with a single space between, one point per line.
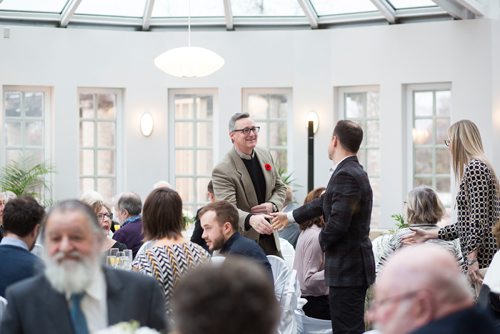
477 201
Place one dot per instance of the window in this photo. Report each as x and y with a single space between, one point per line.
98 159
269 108
25 124
430 107
361 105
192 115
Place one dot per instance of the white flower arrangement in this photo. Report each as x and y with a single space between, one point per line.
131 327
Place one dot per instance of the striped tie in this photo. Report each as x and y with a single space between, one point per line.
77 316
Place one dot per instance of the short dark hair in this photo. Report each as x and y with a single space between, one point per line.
74 205
318 221
131 202
349 134
237 117
162 214
21 215
210 187
224 212
235 297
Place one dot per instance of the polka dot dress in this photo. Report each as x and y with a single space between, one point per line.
478 209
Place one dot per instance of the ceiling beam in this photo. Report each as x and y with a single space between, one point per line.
386 10
454 9
146 18
68 12
474 6
228 15
310 13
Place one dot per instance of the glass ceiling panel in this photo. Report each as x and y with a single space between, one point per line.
179 8
335 7
266 8
46 6
130 8
403 4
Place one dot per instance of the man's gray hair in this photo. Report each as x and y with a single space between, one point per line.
131 202
74 205
236 117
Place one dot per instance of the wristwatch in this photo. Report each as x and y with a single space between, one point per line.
275 208
471 262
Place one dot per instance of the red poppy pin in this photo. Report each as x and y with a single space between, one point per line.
267 166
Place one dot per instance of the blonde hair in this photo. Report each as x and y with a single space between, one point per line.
423 206
466 144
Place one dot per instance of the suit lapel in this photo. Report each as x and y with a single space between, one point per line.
114 298
246 181
56 307
268 174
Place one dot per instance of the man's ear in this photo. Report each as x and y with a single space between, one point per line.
35 231
227 227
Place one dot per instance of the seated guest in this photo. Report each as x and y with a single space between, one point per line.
219 221
424 210
21 219
234 297
198 231
310 265
129 215
76 294
421 290
291 231
96 202
167 256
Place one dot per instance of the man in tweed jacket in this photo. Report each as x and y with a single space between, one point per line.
346 207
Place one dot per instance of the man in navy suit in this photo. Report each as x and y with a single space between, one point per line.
346 207
75 294
219 221
21 220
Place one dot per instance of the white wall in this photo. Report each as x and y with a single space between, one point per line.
311 62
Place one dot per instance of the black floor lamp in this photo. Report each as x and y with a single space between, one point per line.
312 128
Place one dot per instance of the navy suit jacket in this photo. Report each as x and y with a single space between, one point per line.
346 207
35 307
16 264
239 245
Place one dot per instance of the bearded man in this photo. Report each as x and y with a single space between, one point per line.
76 294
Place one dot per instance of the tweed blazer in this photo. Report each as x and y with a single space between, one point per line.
35 307
346 207
233 183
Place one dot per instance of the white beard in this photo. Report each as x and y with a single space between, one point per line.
70 276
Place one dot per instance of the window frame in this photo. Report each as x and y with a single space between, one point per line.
119 105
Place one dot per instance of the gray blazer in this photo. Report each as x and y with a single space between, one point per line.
35 307
232 183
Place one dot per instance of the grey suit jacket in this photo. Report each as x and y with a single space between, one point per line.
35 307
232 183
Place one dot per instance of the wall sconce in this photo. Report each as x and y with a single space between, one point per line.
313 117
147 124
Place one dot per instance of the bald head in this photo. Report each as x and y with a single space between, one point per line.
418 284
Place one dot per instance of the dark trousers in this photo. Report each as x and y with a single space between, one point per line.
347 307
317 307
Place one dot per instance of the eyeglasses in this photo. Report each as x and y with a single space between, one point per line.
246 131
101 216
447 142
376 304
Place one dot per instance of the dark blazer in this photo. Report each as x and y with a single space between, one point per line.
470 320
233 183
346 207
16 264
239 245
35 307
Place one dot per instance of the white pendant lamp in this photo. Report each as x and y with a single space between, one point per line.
189 61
